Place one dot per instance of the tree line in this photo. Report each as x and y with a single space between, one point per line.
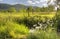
50 8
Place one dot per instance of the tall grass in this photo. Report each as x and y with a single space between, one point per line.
42 34
13 30
17 25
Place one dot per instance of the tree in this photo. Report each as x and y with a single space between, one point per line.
58 14
57 4
44 9
11 9
37 9
22 10
51 8
30 9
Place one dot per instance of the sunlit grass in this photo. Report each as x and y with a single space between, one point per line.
21 15
17 30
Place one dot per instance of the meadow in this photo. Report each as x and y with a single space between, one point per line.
42 14
21 26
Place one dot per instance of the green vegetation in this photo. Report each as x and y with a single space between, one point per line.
18 25
29 23
10 29
49 34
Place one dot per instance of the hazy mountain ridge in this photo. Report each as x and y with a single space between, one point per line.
17 6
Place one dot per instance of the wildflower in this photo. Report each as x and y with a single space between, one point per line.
31 30
35 25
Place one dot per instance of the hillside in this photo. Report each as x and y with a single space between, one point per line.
7 6
17 6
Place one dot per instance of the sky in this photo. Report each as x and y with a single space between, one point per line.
27 2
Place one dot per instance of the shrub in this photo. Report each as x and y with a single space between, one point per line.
41 34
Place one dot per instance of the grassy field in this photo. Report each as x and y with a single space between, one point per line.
50 14
12 24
